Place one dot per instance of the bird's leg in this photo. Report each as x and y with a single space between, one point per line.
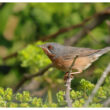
66 76
77 72
72 74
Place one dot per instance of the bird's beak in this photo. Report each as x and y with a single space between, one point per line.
41 46
46 50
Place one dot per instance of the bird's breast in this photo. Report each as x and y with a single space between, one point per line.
60 63
81 63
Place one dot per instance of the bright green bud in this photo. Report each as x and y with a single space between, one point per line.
19 97
24 105
37 102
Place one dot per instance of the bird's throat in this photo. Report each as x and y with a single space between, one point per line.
48 53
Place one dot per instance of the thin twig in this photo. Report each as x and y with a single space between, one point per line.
66 29
29 77
96 21
63 30
68 84
99 83
10 56
107 102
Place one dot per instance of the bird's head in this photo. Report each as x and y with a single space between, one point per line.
51 49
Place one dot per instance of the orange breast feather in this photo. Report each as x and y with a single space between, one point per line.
81 63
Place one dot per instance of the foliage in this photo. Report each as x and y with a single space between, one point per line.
8 99
78 97
31 55
24 99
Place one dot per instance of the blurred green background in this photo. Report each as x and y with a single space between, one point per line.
21 27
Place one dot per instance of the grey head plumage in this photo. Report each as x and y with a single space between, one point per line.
57 49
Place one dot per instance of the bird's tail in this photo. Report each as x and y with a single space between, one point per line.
102 51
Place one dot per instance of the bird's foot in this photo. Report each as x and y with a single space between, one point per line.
67 75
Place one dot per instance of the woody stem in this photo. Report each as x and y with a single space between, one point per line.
68 85
67 94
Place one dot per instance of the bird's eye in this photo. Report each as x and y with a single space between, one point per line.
50 47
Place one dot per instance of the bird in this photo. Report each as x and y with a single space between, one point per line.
62 57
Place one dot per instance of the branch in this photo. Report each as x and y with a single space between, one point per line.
97 20
99 83
66 29
10 56
29 77
107 102
63 30
68 84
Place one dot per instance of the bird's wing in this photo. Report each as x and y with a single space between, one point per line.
80 52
